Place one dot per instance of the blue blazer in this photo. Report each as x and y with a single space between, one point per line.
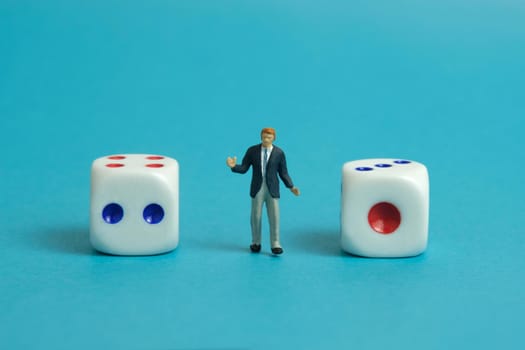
276 165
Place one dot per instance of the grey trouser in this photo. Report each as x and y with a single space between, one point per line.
272 207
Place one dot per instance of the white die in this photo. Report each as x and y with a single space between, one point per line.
384 209
134 204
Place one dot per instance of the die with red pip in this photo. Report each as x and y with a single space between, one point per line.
134 204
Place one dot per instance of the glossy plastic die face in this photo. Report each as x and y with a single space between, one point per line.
384 208
134 204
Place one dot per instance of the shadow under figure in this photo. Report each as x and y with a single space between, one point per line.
322 242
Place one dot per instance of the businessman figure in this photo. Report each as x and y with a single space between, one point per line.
266 161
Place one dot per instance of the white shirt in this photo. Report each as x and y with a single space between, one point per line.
262 157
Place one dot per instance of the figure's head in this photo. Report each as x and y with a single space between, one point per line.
267 136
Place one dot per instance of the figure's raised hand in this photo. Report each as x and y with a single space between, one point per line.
230 162
295 191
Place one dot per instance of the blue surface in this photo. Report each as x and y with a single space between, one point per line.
440 82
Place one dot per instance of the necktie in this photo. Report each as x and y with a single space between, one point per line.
265 160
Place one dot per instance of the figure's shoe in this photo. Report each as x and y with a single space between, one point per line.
255 248
277 250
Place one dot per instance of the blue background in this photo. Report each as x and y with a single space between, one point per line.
441 82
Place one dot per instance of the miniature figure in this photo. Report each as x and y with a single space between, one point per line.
267 160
